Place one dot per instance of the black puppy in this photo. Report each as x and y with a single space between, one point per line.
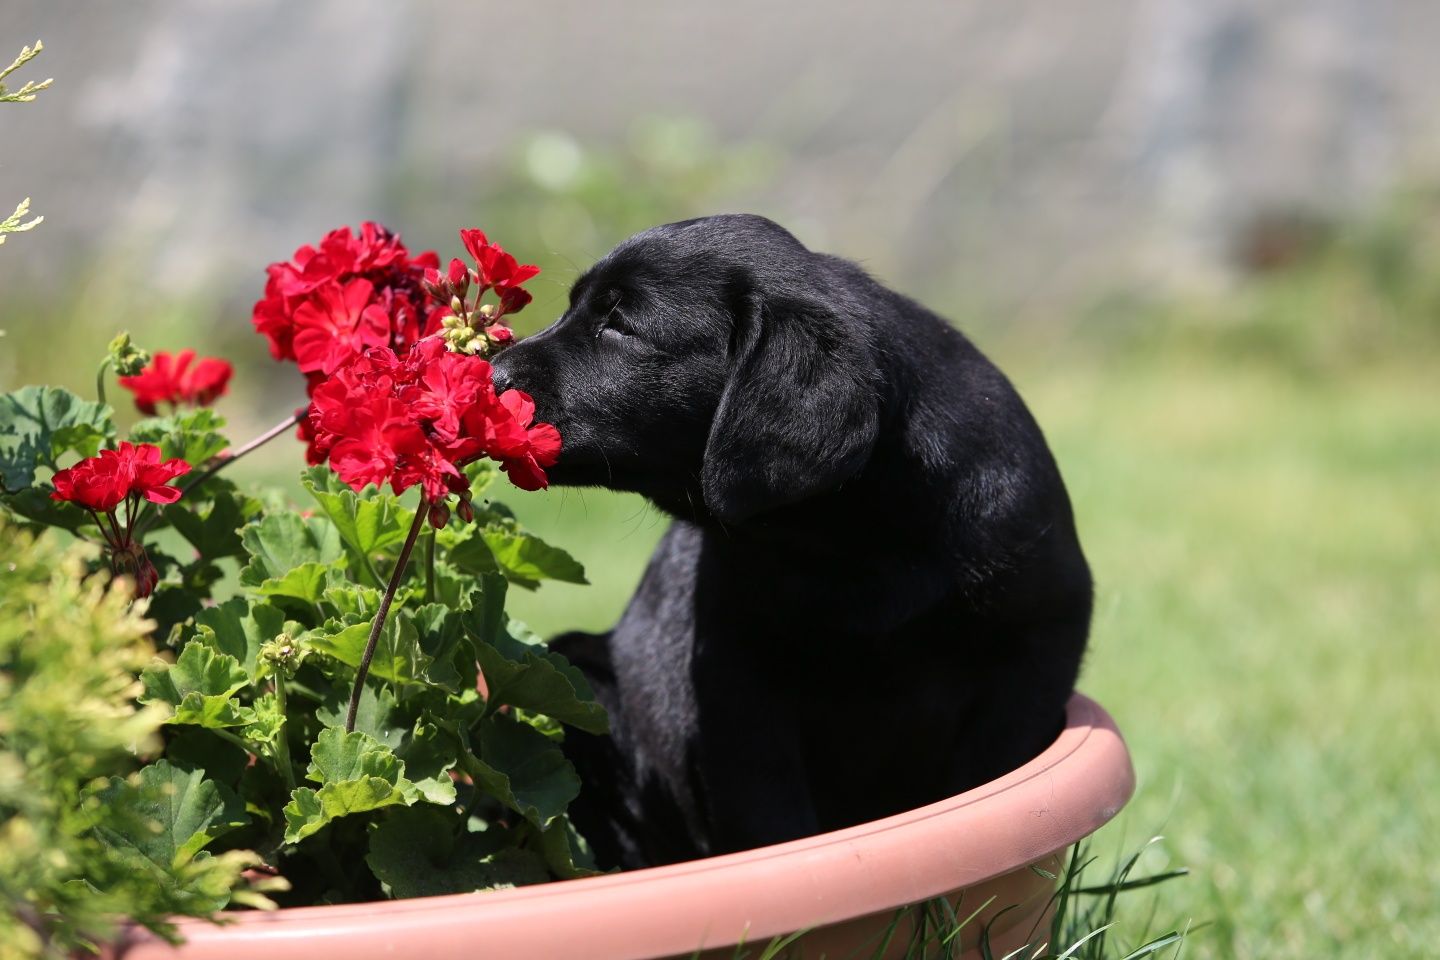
872 595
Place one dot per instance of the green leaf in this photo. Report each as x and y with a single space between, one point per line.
357 774
194 748
377 715
398 656
169 815
34 504
524 770
338 756
423 852
200 685
282 541
525 558
199 669
39 424
566 853
238 628
191 435
306 583
214 530
213 712
429 756
441 635
538 680
368 522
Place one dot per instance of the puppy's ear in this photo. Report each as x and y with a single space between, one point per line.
799 414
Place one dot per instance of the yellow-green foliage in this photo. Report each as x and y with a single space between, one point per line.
16 222
71 649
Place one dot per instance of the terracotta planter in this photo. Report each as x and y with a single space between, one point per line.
843 887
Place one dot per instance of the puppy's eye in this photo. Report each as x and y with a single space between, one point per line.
611 308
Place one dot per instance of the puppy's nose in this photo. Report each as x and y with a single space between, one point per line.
500 374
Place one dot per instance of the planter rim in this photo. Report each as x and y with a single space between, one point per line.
1066 793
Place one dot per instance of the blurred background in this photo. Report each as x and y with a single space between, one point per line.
1203 239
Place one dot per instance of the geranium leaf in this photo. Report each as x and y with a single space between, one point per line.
538 680
338 756
239 628
169 814
566 853
39 424
280 542
524 770
214 530
525 558
198 669
398 657
368 522
199 685
34 504
191 435
441 635
378 714
356 774
419 852
429 757
306 583
211 711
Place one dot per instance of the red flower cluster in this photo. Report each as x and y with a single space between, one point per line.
171 379
351 314
351 293
415 420
129 474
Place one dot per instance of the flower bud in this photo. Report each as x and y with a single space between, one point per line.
439 514
282 654
127 359
500 333
459 277
451 322
457 306
488 311
464 509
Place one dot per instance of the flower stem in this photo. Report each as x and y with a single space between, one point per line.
430 566
282 743
259 441
396 576
100 380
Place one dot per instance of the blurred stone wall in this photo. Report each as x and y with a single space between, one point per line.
1011 153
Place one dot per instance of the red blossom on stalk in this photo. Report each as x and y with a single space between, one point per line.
317 275
354 294
128 474
416 420
171 379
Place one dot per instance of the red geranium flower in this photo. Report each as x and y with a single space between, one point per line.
128 474
340 321
376 255
172 379
497 269
415 420
101 482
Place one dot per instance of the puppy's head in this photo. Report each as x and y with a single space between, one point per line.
715 366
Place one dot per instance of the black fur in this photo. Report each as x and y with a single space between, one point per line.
872 595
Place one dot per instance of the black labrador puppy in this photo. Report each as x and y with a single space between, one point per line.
872 595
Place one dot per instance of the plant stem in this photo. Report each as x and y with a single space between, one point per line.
282 743
396 576
430 567
100 380
259 441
